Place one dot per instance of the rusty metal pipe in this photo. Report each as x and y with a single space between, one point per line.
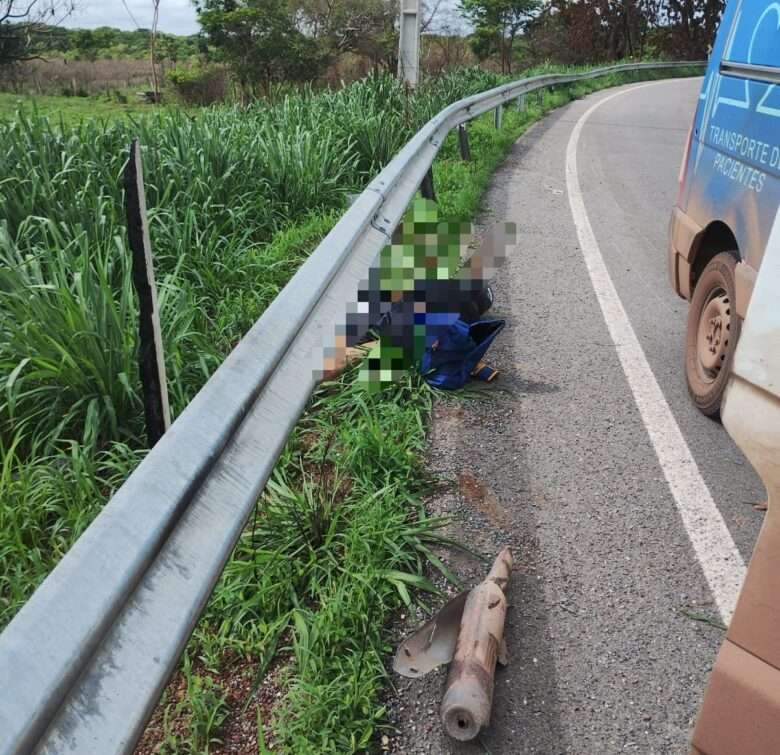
468 699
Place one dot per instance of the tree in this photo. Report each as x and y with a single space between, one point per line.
429 10
445 44
260 42
497 24
170 48
87 43
24 25
363 27
692 25
589 31
601 30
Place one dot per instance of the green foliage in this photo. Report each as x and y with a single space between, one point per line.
338 541
14 44
23 27
236 198
67 339
70 110
364 27
497 24
45 503
306 169
260 41
106 42
201 84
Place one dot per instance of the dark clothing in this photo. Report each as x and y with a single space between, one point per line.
444 302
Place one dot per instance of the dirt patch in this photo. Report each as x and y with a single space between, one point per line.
239 733
451 411
478 495
244 704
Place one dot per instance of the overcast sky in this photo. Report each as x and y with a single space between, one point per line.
176 16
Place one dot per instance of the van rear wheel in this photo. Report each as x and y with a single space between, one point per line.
712 333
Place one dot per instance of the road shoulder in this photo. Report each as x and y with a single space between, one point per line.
557 464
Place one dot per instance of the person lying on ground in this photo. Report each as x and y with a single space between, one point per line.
416 294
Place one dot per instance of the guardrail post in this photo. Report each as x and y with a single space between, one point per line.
521 103
497 116
426 187
151 362
540 97
463 141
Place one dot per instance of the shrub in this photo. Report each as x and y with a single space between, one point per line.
200 85
65 77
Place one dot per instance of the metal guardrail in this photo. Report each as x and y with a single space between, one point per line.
85 660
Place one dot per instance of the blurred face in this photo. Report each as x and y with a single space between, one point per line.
426 250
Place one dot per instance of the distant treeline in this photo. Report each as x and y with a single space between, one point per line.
106 42
247 49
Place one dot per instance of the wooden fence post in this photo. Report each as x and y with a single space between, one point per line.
151 362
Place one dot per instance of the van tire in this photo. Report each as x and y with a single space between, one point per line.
712 333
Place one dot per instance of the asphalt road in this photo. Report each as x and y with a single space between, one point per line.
606 656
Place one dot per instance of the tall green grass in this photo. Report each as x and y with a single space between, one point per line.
237 199
220 188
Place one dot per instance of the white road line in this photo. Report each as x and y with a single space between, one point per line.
720 560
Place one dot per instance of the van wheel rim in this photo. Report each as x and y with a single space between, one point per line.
713 337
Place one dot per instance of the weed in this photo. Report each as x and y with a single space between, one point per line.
202 709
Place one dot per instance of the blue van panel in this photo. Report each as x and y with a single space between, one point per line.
741 117
733 171
756 36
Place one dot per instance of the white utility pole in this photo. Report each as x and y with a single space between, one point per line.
409 43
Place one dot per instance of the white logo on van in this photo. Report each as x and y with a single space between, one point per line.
745 104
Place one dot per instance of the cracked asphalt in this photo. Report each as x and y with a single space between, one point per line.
556 461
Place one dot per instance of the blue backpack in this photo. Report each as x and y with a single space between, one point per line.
449 361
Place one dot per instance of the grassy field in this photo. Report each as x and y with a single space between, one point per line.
70 109
290 651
